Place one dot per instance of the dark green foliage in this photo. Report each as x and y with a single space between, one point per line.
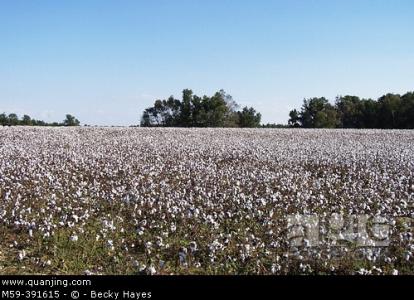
390 111
318 113
350 112
406 111
369 109
294 118
4 119
248 117
71 121
219 110
27 121
185 117
13 120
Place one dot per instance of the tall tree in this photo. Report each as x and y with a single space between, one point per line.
4 120
70 121
217 111
294 118
13 120
231 118
369 116
406 111
349 110
186 108
248 117
318 113
388 110
27 121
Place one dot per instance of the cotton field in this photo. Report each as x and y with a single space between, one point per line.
206 201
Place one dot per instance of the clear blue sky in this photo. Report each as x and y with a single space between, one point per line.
105 61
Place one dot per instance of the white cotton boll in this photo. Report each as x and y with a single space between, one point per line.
136 264
162 264
193 246
110 244
148 244
21 255
182 255
362 271
275 268
74 238
152 270
140 231
142 268
160 242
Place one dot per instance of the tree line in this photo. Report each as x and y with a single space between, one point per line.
14 120
391 111
219 110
